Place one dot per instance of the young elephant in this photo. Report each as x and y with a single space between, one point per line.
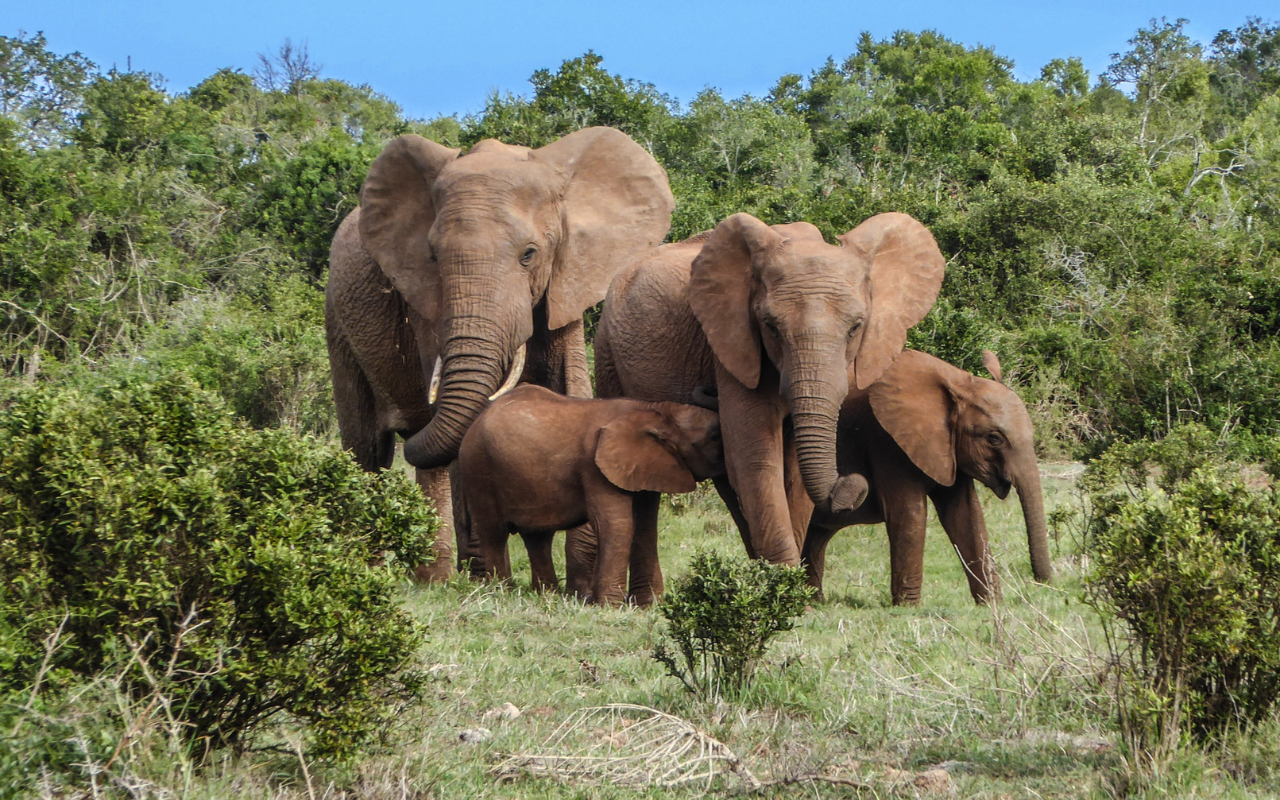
536 462
928 429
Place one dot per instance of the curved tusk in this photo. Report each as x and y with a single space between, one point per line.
513 377
434 391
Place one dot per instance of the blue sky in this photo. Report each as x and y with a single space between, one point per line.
435 58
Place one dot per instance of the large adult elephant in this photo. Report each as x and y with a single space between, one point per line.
777 320
927 429
456 270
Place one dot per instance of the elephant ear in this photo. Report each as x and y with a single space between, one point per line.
720 292
616 205
904 268
396 215
992 364
634 452
914 403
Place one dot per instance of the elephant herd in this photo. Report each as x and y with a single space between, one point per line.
761 357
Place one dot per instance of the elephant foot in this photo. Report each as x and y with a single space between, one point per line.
848 493
437 571
642 600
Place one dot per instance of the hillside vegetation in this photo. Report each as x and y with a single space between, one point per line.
1115 238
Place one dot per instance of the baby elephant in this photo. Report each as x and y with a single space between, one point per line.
929 430
536 462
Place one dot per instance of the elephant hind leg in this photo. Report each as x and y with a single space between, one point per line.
538 545
608 384
372 447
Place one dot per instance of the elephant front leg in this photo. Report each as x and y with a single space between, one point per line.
960 513
905 519
580 551
751 424
813 556
646 573
610 510
436 486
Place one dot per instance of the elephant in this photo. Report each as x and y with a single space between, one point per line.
780 324
929 429
480 264
535 462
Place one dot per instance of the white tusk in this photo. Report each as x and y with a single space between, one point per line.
513 377
434 391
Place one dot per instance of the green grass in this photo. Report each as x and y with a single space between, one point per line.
1010 700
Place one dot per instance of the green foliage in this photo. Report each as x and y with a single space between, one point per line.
721 617
262 566
1190 573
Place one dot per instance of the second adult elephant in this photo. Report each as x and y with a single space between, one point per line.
927 429
780 322
454 267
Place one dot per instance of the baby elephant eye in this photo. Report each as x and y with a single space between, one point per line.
995 439
527 258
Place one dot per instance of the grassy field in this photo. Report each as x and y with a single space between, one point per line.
1009 701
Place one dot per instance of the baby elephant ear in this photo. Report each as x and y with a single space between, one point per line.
992 364
913 403
635 453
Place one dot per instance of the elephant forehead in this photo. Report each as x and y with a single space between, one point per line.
494 172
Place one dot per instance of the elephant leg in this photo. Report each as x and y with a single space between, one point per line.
580 561
608 382
905 519
491 534
751 424
960 513
730 498
435 484
541 564
612 518
646 572
814 555
372 448
468 548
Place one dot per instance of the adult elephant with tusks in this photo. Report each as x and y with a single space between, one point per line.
461 275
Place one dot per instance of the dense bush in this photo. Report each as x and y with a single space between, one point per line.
721 616
141 520
1191 572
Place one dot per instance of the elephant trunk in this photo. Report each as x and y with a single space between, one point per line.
1027 482
813 418
474 361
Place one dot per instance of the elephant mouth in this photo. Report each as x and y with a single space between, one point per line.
1001 488
513 377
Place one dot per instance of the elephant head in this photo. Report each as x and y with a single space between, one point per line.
952 423
475 243
666 448
822 314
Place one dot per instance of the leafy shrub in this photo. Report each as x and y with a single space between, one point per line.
721 617
1191 572
261 565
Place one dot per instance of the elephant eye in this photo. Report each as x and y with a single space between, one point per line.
854 328
527 258
995 439
771 325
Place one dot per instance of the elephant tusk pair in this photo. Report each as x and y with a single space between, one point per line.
513 377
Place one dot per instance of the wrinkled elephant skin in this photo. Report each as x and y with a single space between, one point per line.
928 429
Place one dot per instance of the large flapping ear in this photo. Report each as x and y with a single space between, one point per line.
914 403
616 205
396 215
720 292
904 268
992 364
635 453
